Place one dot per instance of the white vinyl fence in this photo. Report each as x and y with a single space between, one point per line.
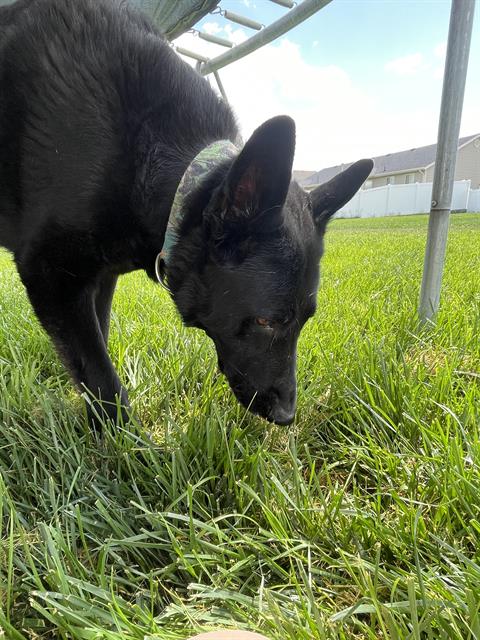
405 199
474 200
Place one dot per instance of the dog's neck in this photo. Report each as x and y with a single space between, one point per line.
202 164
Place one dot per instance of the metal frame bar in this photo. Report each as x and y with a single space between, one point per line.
190 54
456 64
220 86
244 21
294 17
284 3
208 37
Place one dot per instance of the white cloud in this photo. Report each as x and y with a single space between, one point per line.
440 50
432 63
337 121
277 80
406 65
211 27
235 35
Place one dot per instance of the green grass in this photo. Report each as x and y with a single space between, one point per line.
360 521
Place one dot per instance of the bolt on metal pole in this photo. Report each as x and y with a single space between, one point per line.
456 63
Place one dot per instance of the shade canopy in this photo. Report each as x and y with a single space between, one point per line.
173 18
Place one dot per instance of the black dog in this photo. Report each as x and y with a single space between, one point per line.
99 120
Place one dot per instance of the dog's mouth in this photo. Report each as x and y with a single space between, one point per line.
266 404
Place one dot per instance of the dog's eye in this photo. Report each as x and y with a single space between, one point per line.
271 324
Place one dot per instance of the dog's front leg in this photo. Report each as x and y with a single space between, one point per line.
103 303
67 310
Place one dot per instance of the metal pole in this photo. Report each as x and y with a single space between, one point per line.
291 19
459 36
220 86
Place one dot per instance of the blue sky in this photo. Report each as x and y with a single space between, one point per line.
360 77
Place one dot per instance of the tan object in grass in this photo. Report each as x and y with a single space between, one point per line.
227 634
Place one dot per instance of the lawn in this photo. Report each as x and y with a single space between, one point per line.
362 520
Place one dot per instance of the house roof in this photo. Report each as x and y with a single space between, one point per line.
417 158
300 175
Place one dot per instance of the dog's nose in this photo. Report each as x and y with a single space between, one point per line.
284 405
282 416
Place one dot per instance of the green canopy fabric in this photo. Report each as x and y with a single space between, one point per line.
174 18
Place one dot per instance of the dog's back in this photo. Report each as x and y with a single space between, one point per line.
60 120
85 89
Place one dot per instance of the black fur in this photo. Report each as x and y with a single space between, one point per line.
99 119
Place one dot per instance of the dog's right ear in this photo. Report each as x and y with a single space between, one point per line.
252 196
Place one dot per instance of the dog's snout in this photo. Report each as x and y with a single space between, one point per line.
282 416
275 402
284 404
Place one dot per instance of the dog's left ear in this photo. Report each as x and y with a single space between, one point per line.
254 191
329 197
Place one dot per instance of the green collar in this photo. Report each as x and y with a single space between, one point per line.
201 165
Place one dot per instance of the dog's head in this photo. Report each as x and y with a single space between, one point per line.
246 268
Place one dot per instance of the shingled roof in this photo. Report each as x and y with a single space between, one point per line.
417 158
